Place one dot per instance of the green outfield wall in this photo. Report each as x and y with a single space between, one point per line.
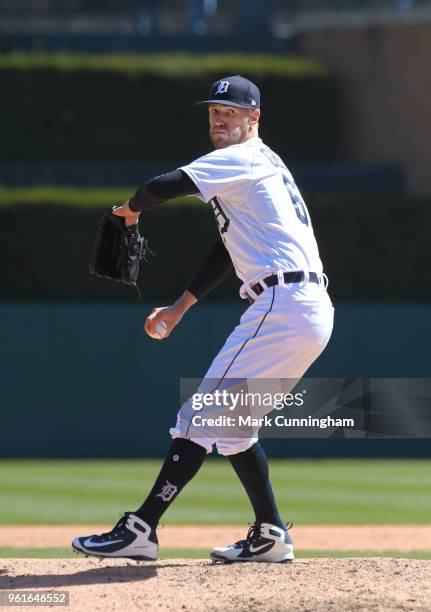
372 249
83 379
90 107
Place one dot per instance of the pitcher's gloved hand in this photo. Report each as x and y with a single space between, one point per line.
118 250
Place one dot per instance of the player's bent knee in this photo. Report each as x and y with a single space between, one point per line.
233 446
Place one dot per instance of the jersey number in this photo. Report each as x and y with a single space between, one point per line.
297 201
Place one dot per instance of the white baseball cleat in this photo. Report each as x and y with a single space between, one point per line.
131 538
264 542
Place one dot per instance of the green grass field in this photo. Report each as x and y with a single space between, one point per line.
203 553
308 491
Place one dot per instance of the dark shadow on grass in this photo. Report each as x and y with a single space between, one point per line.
98 575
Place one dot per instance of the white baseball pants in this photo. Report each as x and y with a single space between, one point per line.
278 337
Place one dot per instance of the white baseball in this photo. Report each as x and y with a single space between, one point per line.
160 330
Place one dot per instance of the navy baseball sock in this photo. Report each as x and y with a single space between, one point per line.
251 467
182 462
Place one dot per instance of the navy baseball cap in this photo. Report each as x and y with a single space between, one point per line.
234 91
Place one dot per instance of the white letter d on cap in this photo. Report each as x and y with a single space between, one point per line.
222 87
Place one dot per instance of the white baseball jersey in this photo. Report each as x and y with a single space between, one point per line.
261 215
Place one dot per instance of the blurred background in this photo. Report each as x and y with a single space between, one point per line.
97 97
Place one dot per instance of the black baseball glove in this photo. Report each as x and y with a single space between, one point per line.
118 250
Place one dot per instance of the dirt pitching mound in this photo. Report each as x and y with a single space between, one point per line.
180 584
306 537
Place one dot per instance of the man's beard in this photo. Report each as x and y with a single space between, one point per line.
219 143
227 139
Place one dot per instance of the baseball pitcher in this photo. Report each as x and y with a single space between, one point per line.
265 233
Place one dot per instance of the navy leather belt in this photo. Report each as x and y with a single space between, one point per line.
289 277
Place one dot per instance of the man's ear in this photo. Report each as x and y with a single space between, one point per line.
254 116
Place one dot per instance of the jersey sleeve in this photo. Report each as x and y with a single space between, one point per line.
213 270
224 172
161 188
